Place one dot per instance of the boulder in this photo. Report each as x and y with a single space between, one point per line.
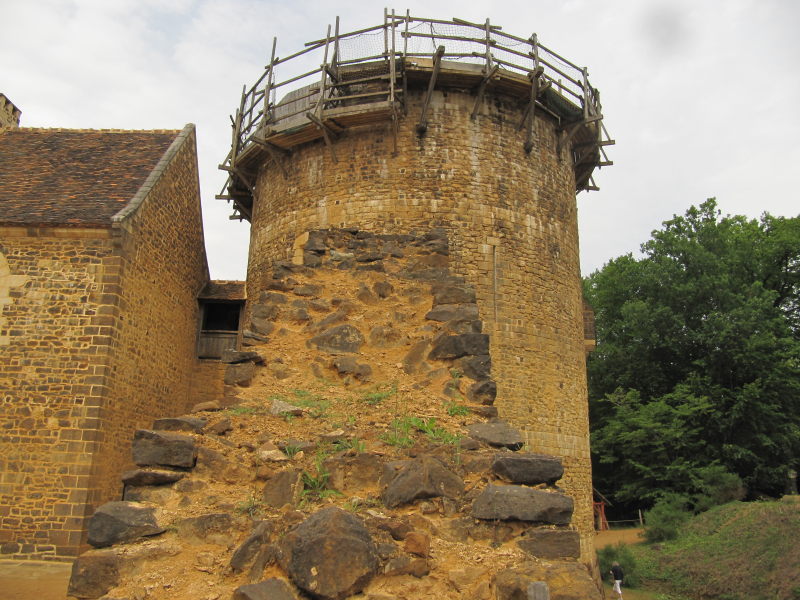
513 502
230 356
456 346
386 337
451 312
165 449
476 367
484 392
350 474
383 289
330 555
497 433
212 528
423 477
317 241
312 259
269 589
528 468
240 374
93 574
452 294
278 408
221 427
262 327
251 338
115 522
272 298
151 477
347 365
565 581
339 339
247 550
405 565
307 290
414 358
418 543
365 295
551 543
188 424
488 412
265 312
283 488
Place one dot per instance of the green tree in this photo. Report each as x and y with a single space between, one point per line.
698 357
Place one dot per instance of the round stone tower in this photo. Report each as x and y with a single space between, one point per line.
417 124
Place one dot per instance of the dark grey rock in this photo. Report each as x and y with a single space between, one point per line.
308 290
268 312
394 250
115 522
221 427
240 374
449 312
342 338
188 424
213 528
269 589
513 502
262 328
312 259
456 346
347 365
332 319
460 326
451 294
151 477
365 295
283 488
272 298
383 289
476 367
497 433
484 392
489 412
382 336
151 448
93 574
317 241
414 358
405 565
423 477
231 356
368 257
551 543
528 468
247 550
376 266
331 554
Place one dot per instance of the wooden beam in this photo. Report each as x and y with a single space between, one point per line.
528 146
422 126
482 90
327 133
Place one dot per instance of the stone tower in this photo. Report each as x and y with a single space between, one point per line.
416 124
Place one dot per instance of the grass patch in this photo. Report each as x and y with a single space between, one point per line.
456 410
252 507
317 405
379 394
315 485
737 550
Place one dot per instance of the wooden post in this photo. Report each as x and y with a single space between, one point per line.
422 126
324 77
270 80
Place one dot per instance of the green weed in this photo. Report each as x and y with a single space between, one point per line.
380 394
456 410
349 444
252 507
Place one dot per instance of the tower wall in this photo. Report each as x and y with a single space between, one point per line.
512 224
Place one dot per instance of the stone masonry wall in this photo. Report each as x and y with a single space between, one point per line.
512 223
152 348
97 338
51 374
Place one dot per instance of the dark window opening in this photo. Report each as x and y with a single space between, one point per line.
221 316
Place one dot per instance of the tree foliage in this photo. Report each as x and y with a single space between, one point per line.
698 357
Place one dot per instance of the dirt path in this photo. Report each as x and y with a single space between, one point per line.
612 537
32 580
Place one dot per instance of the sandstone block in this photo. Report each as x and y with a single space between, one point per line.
115 522
528 468
151 448
512 502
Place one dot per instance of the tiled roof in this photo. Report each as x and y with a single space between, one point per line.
74 177
218 289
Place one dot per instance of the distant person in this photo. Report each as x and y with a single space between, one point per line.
617 575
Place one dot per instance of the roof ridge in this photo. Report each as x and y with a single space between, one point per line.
89 130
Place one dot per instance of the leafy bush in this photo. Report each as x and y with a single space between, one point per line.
622 554
717 486
665 518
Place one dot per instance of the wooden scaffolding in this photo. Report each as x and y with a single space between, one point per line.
364 76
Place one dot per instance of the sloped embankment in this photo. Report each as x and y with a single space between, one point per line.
357 454
738 550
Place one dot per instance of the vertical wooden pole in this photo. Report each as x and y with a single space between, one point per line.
270 80
324 78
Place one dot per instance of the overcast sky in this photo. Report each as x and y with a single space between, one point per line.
701 96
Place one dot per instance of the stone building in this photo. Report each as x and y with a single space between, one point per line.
101 262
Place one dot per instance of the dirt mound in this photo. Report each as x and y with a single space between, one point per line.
363 368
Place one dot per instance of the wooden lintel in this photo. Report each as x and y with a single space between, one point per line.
482 90
422 126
